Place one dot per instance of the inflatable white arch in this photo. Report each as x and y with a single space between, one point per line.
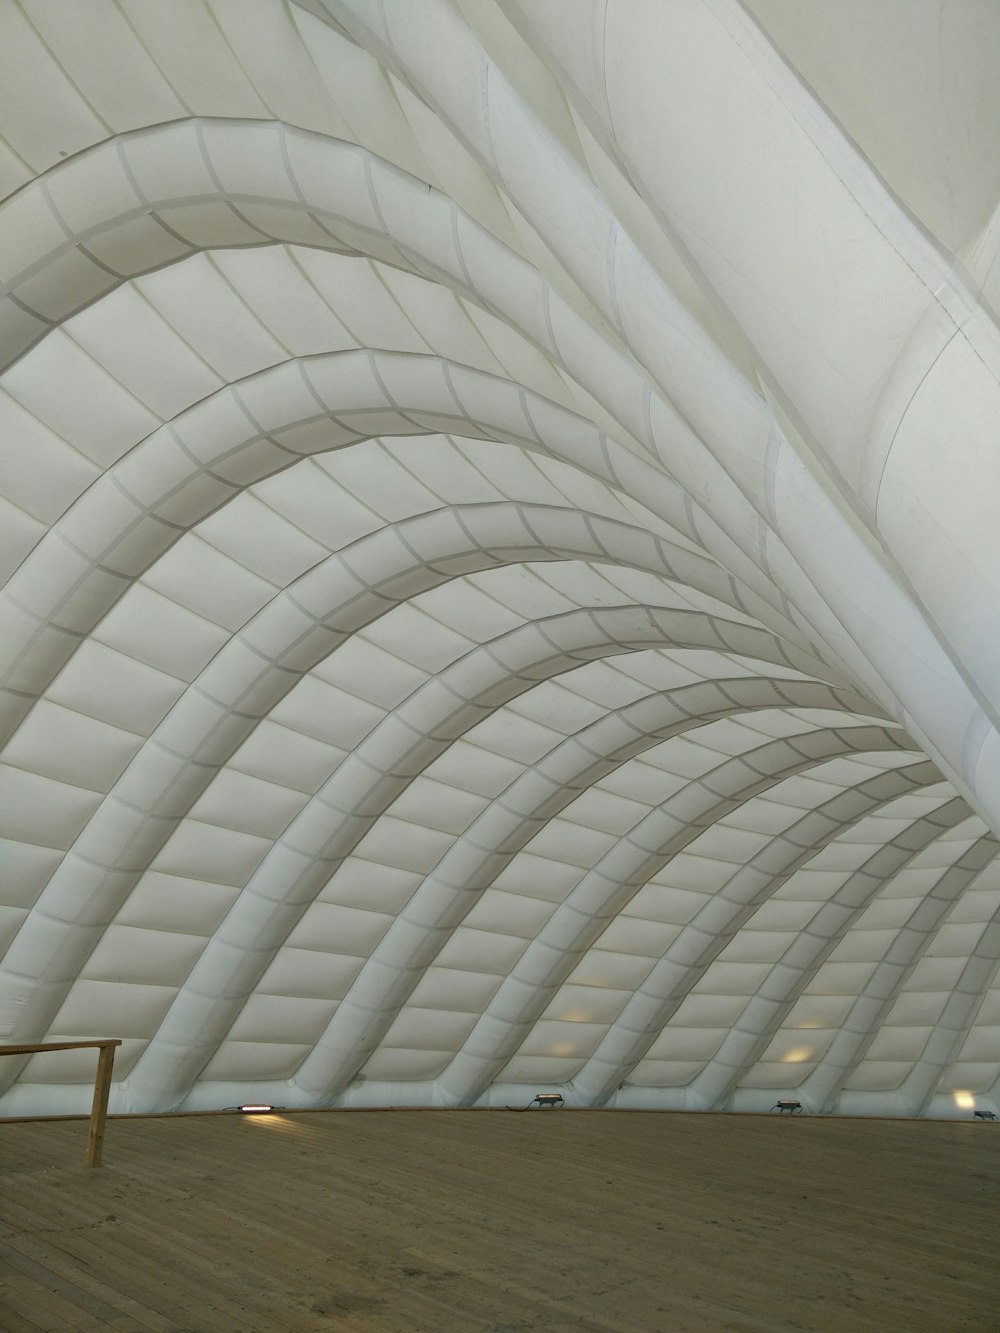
499 556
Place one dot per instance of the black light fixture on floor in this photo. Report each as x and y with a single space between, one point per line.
543 1099
255 1108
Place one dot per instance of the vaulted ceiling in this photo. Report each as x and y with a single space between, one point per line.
500 552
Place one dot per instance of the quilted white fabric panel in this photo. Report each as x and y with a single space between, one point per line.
499 553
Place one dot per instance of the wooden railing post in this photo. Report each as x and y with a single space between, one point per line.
99 1110
102 1084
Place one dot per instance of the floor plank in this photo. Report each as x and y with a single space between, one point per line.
441 1220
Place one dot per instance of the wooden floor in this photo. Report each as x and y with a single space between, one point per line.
438 1220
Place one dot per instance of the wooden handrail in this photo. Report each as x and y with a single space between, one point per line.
102 1084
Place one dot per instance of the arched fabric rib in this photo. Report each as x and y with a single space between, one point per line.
550 958
36 976
350 589
289 636
493 839
707 934
728 369
906 367
440 242
378 207
410 943
764 1012
414 733
363 205
309 405
484 112
489 118
933 268
872 1006
739 526
952 1028
577 924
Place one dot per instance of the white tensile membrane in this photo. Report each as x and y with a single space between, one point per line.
500 560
